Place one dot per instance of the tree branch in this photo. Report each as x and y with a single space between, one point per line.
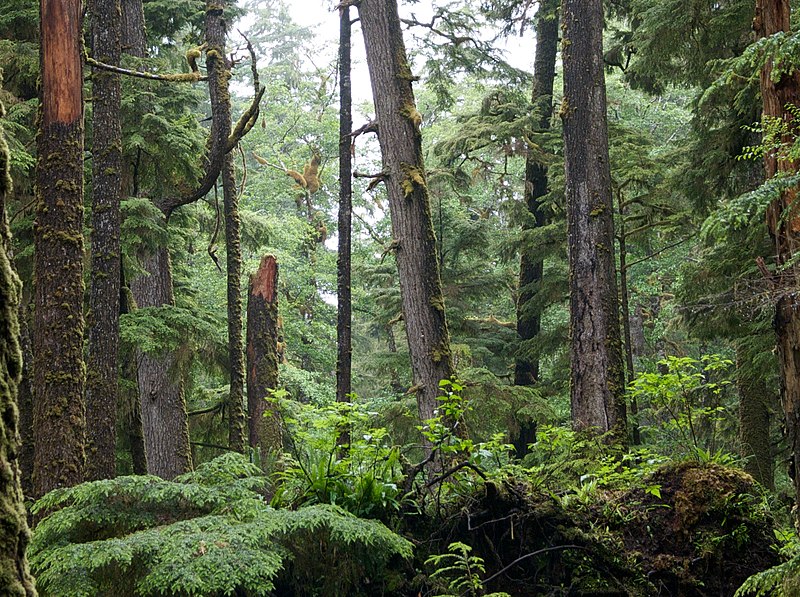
192 77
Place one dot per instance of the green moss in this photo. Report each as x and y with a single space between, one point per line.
414 177
410 112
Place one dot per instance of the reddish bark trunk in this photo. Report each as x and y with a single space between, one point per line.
262 356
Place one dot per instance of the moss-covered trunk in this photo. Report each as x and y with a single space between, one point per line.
59 412
262 356
103 320
414 241
773 16
754 419
344 306
15 579
165 424
596 387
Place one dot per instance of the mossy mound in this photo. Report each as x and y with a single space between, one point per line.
533 546
706 533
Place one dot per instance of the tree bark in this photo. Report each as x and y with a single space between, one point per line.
15 578
773 16
754 421
133 29
262 356
59 411
526 370
344 306
237 418
165 424
531 267
596 388
626 317
414 240
102 377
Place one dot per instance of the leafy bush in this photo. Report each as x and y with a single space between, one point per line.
209 532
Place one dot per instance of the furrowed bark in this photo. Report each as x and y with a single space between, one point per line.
59 411
773 16
531 268
414 240
102 376
345 307
237 422
165 424
596 389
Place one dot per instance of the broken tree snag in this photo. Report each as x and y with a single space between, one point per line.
262 356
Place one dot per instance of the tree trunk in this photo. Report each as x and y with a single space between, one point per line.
59 412
531 267
25 404
596 388
129 391
754 421
133 28
102 377
526 370
15 579
262 356
237 418
414 240
773 16
626 317
344 305
165 424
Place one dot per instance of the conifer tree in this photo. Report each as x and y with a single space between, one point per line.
414 240
596 388
59 408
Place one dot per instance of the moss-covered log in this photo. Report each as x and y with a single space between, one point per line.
262 356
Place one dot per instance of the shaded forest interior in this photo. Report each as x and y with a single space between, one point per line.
466 298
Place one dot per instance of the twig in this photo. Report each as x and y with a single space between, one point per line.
453 471
530 555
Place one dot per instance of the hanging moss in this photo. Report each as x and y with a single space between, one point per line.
414 176
15 580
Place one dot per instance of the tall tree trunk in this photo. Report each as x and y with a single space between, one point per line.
262 356
58 369
25 404
133 42
102 377
414 240
773 16
526 370
237 418
754 420
596 388
15 579
531 267
165 424
626 316
129 391
133 28
345 306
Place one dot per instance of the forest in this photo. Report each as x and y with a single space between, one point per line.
455 298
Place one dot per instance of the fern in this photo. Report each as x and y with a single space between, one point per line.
209 532
780 581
